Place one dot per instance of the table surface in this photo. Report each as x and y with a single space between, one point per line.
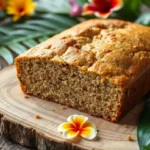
6 144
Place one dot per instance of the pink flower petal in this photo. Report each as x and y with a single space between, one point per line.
76 8
72 2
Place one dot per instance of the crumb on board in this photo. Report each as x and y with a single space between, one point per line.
97 130
126 126
37 116
26 96
129 138
63 107
53 109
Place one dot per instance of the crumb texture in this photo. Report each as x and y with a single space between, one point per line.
67 85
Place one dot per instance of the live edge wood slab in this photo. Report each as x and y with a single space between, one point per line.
18 122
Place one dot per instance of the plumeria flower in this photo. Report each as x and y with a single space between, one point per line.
19 8
76 8
77 125
102 8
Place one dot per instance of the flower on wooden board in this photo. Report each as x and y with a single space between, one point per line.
77 125
76 8
102 8
20 8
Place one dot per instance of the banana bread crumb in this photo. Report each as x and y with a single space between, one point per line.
129 138
26 96
126 126
37 116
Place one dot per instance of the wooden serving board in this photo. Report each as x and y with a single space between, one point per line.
18 122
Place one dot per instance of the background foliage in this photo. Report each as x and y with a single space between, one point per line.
143 132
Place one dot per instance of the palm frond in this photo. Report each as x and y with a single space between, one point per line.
18 37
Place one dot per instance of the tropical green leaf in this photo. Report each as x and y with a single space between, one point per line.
146 2
30 43
143 131
18 48
82 2
2 15
18 37
54 6
144 19
6 54
130 11
5 30
146 147
41 39
63 19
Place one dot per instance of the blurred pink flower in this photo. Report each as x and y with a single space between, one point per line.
102 8
76 8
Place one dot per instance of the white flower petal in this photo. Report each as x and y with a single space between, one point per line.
77 119
100 15
88 133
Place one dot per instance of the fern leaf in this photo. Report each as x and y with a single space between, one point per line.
6 54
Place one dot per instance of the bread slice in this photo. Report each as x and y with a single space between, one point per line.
101 67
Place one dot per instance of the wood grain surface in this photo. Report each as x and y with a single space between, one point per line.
5 143
18 121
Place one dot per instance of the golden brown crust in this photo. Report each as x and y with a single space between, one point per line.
133 94
114 49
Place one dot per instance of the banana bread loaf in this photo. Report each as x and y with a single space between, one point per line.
101 67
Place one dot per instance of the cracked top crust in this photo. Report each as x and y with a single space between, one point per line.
114 49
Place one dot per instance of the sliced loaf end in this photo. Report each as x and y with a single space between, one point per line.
70 86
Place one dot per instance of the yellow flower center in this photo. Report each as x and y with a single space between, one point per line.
19 8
